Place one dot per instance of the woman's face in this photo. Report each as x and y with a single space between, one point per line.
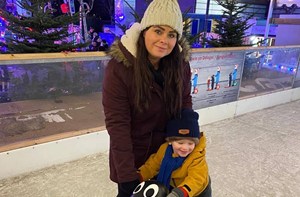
183 147
160 41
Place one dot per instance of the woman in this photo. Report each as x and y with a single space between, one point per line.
146 83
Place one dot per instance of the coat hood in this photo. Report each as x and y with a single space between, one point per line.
124 49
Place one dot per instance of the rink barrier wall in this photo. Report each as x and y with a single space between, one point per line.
32 155
35 157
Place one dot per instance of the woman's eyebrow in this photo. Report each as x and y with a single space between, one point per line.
160 27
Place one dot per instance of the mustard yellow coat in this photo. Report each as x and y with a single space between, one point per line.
192 175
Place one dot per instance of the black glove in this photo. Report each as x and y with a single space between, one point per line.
126 188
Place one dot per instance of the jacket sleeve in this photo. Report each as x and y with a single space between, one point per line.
198 177
152 165
186 97
117 119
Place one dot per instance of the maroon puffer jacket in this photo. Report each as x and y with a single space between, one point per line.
133 136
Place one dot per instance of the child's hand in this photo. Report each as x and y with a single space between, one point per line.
177 192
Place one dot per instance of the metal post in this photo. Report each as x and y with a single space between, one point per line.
267 29
83 18
71 6
72 11
206 21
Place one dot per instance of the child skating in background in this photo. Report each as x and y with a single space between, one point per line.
234 75
180 163
195 82
217 77
208 84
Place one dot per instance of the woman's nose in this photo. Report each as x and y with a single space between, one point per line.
164 39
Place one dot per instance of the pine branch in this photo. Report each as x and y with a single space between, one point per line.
231 28
41 31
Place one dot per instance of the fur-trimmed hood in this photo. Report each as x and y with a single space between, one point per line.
124 50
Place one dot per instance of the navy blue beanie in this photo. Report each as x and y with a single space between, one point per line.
186 126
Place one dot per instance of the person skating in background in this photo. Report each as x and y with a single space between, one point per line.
212 82
195 82
96 41
1 80
4 78
229 80
180 162
234 75
217 77
147 82
103 46
91 34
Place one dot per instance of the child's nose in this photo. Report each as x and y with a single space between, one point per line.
185 147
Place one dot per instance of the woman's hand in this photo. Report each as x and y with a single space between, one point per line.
128 187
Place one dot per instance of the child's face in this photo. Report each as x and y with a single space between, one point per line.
183 147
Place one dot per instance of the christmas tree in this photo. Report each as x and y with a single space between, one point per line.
41 30
231 28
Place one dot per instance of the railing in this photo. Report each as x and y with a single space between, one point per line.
45 97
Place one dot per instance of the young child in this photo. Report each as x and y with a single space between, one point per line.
180 163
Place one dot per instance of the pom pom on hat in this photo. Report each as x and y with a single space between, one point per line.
130 38
163 12
186 126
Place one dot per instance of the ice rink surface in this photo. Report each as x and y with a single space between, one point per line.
253 155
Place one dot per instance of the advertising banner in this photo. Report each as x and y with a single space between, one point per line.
215 77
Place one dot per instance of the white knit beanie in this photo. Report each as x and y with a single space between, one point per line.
163 12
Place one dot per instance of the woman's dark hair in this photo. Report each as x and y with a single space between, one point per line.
172 70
